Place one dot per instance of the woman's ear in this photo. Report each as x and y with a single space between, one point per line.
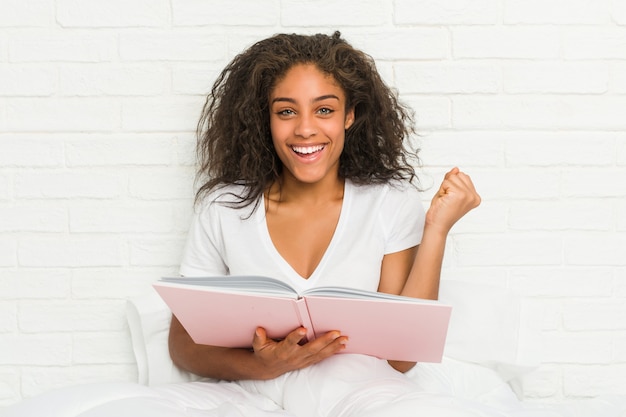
349 118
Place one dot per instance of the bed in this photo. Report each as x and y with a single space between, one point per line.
492 342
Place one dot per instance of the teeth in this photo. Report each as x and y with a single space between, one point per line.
307 149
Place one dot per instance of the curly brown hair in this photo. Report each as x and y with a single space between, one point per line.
234 141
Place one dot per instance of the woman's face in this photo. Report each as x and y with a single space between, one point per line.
308 120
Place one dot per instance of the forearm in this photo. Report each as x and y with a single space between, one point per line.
212 361
216 362
425 274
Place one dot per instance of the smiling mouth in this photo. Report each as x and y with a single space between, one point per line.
307 150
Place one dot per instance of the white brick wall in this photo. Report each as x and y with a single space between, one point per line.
98 104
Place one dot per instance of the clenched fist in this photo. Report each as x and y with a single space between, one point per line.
456 196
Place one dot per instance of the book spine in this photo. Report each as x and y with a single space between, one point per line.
303 315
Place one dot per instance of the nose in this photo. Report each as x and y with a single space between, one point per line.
306 126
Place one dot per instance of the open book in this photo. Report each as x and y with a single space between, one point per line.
225 311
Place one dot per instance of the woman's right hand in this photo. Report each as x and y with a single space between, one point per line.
289 354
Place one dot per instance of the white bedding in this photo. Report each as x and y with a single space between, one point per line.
490 344
450 390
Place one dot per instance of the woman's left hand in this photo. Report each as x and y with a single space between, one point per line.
456 196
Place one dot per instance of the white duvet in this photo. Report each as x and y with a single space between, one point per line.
450 389
490 344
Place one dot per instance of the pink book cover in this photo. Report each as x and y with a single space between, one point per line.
229 319
397 330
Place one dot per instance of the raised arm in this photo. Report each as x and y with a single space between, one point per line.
416 272
456 196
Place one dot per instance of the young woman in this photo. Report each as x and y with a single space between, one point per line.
307 177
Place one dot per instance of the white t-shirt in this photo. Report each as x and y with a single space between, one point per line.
375 220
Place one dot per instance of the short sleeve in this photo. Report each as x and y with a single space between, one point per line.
202 254
403 218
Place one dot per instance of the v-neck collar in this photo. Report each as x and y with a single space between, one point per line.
295 278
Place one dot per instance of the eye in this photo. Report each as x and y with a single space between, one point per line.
285 112
325 111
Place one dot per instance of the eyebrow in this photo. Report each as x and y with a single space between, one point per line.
316 99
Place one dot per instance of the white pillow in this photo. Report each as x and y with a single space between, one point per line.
489 327
149 322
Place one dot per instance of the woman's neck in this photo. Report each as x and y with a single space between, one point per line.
290 190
